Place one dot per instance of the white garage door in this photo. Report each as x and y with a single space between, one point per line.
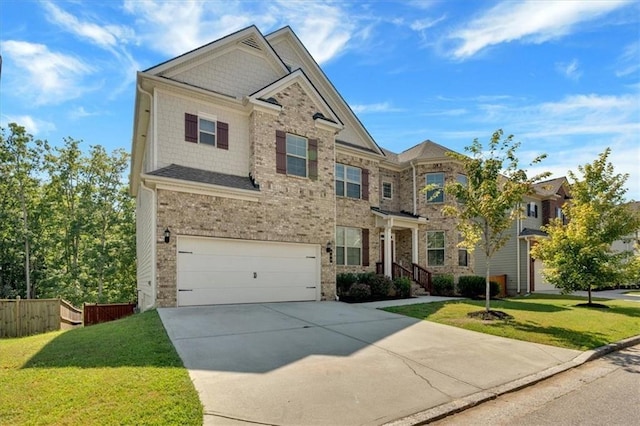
539 283
218 271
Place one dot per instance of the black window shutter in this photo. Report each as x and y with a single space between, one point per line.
190 127
365 184
365 247
222 130
281 152
313 159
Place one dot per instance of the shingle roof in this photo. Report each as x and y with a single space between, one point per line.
423 151
175 171
549 187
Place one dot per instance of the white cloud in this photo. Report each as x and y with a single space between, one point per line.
80 112
43 76
423 24
374 108
528 21
570 70
33 126
105 36
174 28
629 60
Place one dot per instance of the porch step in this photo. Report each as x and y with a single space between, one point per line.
417 290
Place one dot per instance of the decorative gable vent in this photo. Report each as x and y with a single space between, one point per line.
251 42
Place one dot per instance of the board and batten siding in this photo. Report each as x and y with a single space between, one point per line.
144 248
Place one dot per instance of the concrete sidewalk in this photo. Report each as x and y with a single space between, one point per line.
333 363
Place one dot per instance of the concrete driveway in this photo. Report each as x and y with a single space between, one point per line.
333 363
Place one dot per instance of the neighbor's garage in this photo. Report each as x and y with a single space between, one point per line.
221 271
539 283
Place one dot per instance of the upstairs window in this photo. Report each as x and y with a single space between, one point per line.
206 130
532 209
436 180
348 181
296 155
387 190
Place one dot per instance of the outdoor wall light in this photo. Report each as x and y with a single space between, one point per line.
329 249
167 235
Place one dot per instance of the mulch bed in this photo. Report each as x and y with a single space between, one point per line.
490 315
592 305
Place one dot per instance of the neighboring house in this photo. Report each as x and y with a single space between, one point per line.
523 272
255 182
629 243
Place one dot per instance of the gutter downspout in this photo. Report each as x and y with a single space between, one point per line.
151 117
415 199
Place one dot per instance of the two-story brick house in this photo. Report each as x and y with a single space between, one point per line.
256 182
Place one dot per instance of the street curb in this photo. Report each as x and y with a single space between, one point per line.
441 411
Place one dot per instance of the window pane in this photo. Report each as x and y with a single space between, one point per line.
296 166
340 255
462 258
435 239
435 195
386 190
354 174
462 179
353 190
207 126
435 257
435 178
353 237
353 256
340 188
339 172
339 236
297 146
207 138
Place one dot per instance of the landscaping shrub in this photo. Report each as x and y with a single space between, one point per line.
403 287
473 287
443 285
380 286
365 277
344 281
360 292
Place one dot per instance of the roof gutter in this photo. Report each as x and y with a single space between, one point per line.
415 199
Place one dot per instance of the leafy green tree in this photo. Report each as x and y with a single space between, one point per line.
578 256
20 164
488 204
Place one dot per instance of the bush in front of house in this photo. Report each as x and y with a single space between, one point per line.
402 287
365 277
380 286
344 281
474 287
443 285
360 292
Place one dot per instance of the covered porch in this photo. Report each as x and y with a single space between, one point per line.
399 244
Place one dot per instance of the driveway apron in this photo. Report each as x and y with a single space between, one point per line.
333 363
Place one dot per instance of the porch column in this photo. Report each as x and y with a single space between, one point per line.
414 245
387 250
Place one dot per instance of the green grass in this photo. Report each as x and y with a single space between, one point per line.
121 372
633 293
548 319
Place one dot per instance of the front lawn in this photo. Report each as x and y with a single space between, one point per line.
121 372
549 319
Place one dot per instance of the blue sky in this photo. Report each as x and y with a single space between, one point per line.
563 77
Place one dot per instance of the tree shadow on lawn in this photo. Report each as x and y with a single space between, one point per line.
136 341
526 306
625 310
581 340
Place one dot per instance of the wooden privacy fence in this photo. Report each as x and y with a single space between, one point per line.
97 313
24 317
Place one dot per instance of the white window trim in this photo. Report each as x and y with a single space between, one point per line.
345 246
306 155
444 248
347 180
441 188
214 120
390 197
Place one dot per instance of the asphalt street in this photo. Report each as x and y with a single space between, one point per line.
601 392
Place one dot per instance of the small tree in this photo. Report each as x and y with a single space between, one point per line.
578 256
488 204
